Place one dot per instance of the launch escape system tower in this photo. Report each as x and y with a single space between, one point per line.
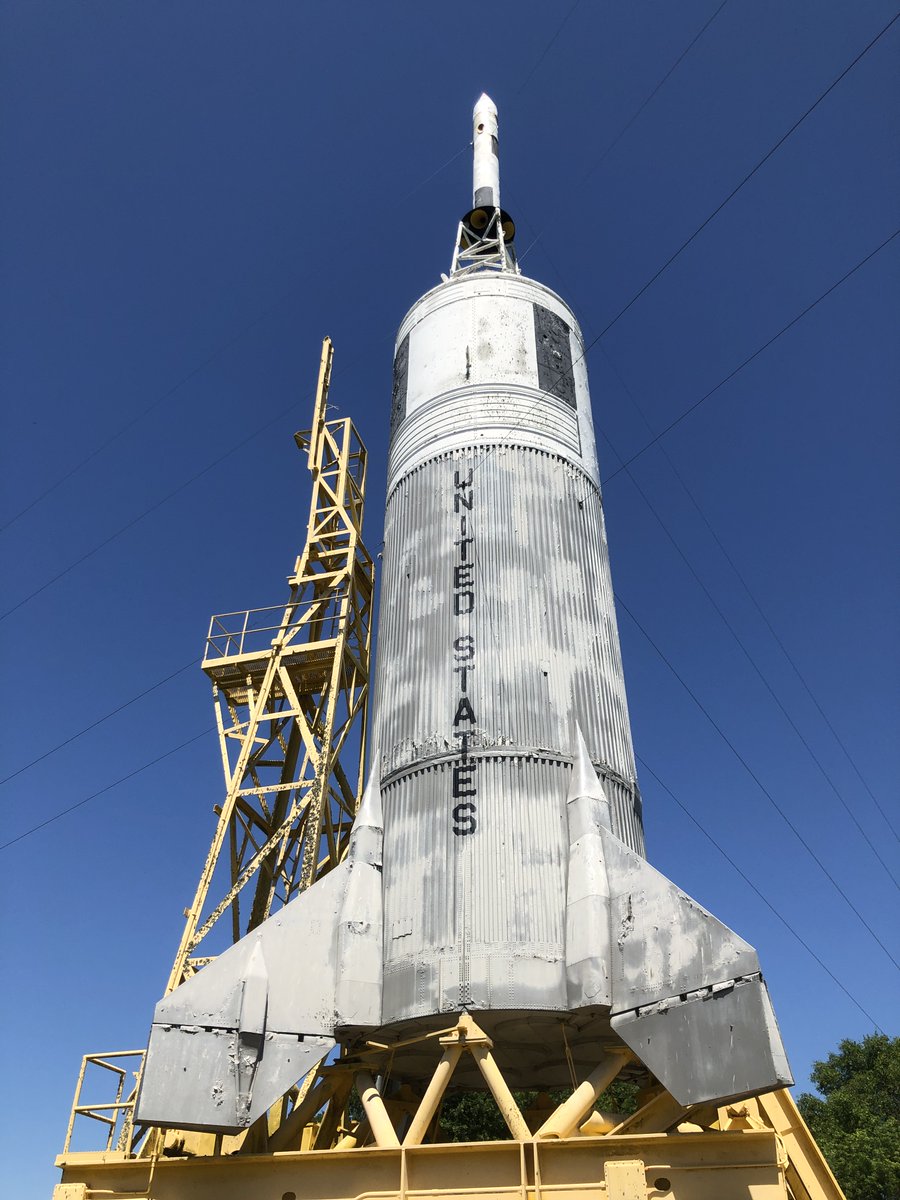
479 915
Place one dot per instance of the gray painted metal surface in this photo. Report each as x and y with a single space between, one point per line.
497 630
510 878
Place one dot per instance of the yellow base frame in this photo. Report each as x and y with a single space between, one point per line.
756 1149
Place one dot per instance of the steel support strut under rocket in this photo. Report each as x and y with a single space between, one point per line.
497 860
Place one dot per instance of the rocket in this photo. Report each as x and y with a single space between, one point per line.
496 865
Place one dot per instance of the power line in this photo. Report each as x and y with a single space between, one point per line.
631 120
221 348
697 403
759 783
99 721
806 946
710 597
147 511
590 345
765 158
549 46
747 589
93 796
749 359
751 660
738 640
123 429
157 504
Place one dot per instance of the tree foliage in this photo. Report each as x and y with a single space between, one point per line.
474 1116
856 1117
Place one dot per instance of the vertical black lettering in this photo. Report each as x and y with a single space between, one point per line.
463 772
463 602
464 648
464 819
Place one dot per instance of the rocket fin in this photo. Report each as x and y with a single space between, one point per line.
360 946
233 1038
687 993
227 1043
588 952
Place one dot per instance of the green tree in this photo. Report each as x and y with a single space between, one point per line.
856 1117
474 1116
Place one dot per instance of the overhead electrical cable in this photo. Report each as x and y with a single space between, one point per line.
145 412
752 661
741 578
563 23
220 349
746 179
159 503
637 112
109 787
756 604
99 721
706 396
768 903
634 116
756 779
749 175
696 700
791 661
733 632
750 357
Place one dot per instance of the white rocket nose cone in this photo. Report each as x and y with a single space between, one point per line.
485 103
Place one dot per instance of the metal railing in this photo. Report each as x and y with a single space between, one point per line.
252 631
118 1114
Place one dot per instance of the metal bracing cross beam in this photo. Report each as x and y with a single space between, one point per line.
487 249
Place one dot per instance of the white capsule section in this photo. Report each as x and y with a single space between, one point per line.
497 632
486 360
485 154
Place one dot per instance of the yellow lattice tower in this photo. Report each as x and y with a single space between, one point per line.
291 689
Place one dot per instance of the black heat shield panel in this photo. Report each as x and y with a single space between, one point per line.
398 395
554 355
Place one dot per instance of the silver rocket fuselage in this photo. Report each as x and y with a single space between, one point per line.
497 632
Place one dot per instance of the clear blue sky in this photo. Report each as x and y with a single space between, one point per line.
196 192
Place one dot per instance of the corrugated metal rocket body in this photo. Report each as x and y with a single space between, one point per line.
497 632
497 860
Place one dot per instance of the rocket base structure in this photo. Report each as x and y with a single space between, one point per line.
494 922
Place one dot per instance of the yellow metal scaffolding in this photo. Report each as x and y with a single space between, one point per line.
756 1149
291 689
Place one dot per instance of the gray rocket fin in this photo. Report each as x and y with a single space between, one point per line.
687 993
588 952
360 953
233 1038
227 1043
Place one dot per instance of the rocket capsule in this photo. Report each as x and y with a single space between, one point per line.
485 176
486 154
510 876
